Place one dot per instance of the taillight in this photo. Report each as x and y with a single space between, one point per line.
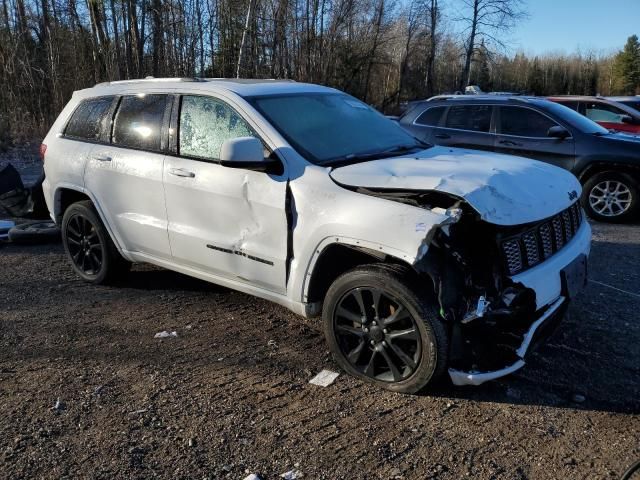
43 150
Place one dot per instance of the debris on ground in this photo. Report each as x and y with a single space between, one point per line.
166 334
15 199
324 378
32 233
292 475
253 476
578 398
59 405
5 226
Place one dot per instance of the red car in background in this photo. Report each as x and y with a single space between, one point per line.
608 113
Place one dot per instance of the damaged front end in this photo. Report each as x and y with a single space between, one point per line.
493 321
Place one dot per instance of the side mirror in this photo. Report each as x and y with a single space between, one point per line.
628 119
558 132
246 153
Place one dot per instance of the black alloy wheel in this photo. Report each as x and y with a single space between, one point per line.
382 326
85 247
377 334
92 253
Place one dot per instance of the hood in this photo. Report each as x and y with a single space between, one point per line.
627 137
503 189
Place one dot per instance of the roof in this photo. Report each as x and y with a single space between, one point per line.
627 98
242 86
484 98
576 97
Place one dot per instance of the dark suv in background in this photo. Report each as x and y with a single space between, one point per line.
607 164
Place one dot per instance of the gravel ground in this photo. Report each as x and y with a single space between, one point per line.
86 390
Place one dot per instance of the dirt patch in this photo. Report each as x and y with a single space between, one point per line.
230 395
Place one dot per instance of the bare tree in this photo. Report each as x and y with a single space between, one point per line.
486 20
433 11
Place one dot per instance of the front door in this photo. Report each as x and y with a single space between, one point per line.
225 221
522 131
126 176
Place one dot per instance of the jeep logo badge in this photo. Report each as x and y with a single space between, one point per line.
573 195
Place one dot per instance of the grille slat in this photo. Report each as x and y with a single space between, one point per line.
537 244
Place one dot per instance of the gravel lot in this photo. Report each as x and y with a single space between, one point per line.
230 395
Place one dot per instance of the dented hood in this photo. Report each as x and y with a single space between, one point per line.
503 189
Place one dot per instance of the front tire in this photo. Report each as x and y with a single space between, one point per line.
611 197
89 247
381 328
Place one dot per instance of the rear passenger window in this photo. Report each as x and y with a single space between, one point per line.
89 118
205 124
138 122
431 116
476 118
524 122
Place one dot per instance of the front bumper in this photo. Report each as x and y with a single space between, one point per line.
539 330
549 282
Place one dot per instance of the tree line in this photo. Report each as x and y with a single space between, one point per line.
382 51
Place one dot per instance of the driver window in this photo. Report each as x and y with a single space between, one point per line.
205 124
524 122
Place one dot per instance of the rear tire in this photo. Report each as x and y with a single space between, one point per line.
87 242
385 330
611 197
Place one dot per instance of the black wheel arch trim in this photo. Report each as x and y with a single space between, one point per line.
58 213
615 167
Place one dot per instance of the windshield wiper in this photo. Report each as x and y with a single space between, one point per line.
365 156
405 148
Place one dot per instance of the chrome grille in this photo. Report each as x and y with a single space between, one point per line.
513 256
547 240
540 242
530 241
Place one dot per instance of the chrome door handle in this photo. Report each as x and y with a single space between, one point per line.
102 158
181 172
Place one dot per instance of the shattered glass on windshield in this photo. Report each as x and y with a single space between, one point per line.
205 124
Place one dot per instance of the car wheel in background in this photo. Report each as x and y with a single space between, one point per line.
89 246
31 233
610 197
381 328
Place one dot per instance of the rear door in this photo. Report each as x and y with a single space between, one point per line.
522 131
466 126
225 221
125 176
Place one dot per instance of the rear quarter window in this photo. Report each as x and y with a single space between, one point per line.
89 119
431 116
138 122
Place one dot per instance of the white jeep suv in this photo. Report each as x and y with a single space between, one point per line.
421 259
